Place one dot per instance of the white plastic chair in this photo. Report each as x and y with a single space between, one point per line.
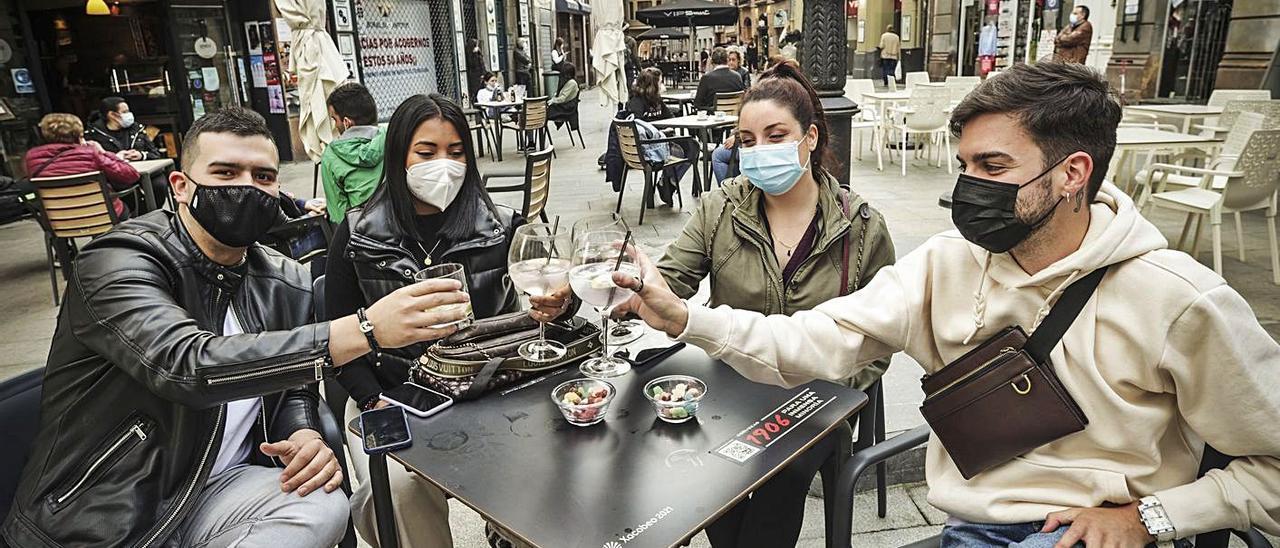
1252 185
867 118
1220 97
1245 124
926 114
960 86
913 78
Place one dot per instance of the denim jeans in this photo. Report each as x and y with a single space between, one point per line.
720 162
888 67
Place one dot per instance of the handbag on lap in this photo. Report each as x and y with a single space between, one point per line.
1003 399
485 356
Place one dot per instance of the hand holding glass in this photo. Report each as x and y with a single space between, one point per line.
450 271
596 255
536 268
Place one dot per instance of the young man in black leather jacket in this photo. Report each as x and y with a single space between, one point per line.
176 386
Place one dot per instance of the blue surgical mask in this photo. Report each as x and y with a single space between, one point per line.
126 119
773 168
1074 19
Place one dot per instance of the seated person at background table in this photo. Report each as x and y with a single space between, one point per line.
645 101
1164 359
735 64
719 79
562 107
492 91
66 152
430 209
774 241
176 410
113 127
351 165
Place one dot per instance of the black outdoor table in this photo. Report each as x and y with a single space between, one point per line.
631 479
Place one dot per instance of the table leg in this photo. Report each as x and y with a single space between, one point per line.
381 487
497 137
704 137
145 182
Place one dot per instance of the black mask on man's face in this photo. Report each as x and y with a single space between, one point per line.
985 212
236 215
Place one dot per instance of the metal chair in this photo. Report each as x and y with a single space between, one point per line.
925 113
632 148
536 186
70 207
1251 185
480 124
335 399
532 124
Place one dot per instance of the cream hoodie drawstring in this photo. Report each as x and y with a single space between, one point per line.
980 301
1052 298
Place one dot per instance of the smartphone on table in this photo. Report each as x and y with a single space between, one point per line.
385 429
417 399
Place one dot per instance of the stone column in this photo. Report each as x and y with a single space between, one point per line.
824 51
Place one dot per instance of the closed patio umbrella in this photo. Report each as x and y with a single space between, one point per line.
316 61
609 53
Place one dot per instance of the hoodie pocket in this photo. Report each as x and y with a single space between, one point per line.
1092 486
133 432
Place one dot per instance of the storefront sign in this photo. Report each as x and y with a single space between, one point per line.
205 47
346 44
275 98
22 80
211 80
396 55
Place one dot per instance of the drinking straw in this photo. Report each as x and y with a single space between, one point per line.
555 225
626 242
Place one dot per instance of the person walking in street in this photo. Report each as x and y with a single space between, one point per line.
1072 44
890 48
476 67
351 165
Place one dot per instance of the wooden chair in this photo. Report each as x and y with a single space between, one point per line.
631 146
536 186
1250 185
729 103
532 124
70 207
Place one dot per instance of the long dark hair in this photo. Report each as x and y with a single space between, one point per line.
787 86
646 86
472 200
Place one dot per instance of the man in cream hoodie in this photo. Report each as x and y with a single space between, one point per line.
1164 359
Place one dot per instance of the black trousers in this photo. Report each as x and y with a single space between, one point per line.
771 518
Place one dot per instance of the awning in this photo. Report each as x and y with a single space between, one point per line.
662 33
572 6
685 13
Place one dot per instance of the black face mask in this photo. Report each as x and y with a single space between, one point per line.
985 212
236 215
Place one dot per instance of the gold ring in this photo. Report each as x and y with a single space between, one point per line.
1021 391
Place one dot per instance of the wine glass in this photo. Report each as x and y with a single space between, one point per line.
537 268
596 255
624 332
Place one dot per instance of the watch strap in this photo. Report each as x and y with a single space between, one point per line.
1156 519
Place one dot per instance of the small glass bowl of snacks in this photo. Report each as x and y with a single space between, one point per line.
675 397
583 401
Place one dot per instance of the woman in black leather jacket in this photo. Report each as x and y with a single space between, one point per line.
431 208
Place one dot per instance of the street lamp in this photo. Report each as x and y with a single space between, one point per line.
824 51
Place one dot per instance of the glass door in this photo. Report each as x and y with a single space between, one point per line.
207 61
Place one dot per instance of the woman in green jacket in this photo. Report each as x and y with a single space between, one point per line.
782 237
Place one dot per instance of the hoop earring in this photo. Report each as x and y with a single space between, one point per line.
1079 201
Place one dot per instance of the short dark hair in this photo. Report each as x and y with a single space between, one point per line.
237 121
568 71
719 56
460 217
353 100
109 105
1084 9
1064 107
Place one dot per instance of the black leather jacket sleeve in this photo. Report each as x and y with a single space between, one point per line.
297 411
122 307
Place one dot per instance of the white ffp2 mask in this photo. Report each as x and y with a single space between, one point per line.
436 182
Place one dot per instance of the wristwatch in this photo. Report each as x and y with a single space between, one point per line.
1156 520
366 327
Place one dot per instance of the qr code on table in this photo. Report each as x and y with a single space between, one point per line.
738 451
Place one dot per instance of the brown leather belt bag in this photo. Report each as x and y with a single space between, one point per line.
1003 399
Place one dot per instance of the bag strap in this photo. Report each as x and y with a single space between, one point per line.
48 163
845 288
1062 315
480 384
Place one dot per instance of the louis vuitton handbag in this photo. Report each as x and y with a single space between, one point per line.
485 356
1003 399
